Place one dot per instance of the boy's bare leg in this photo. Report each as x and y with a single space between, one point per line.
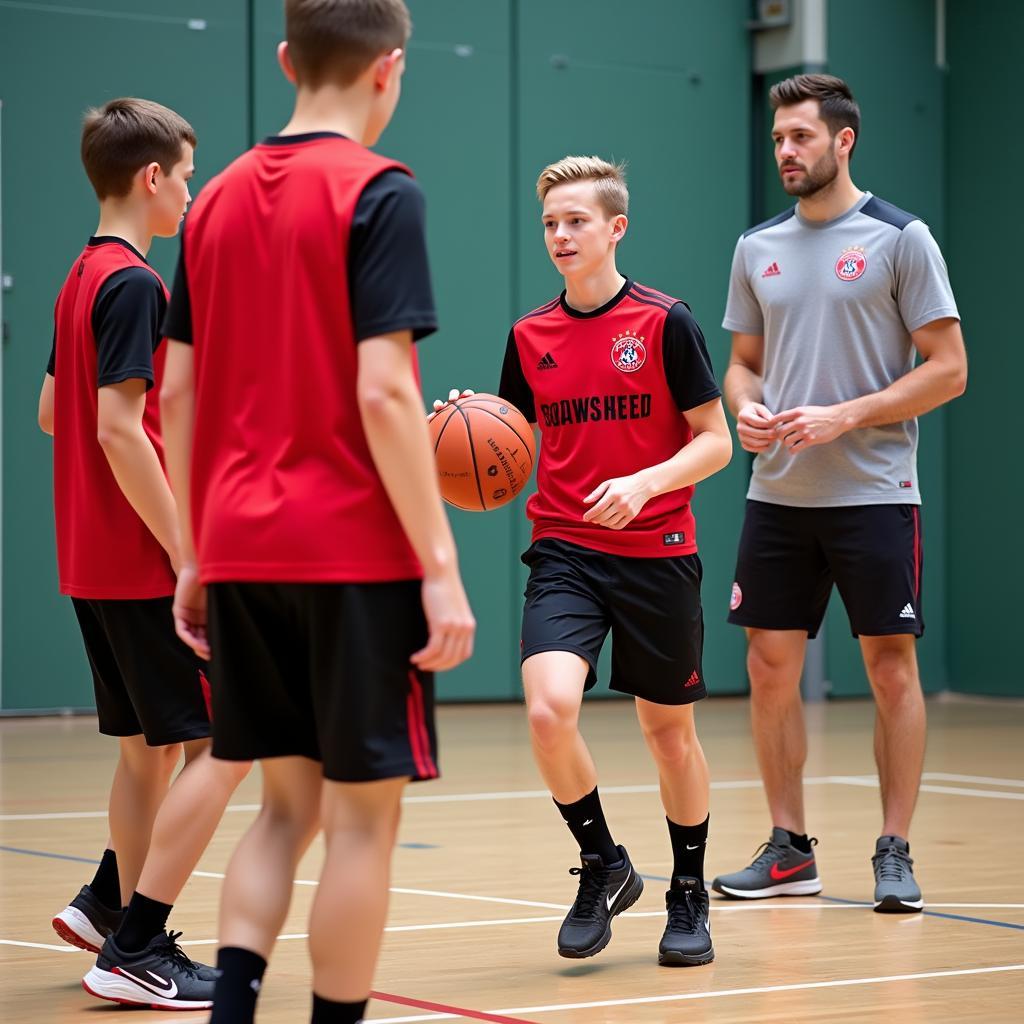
258 887
136 793
671 737
360 822
187 820
553 682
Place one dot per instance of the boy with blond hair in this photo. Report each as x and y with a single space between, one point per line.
302 467
617 378
117 550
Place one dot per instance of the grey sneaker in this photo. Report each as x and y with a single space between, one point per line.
778 869
896 892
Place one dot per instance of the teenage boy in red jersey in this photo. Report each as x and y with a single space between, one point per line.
117 548
294 416
618 379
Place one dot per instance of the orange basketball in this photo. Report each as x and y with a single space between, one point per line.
485 452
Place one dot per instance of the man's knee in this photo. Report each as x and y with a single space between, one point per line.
774 660
552 719
892 670
671 743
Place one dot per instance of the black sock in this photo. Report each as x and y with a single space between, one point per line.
106 884
688 844
235 992
326 1011
798 842
586 822
144 919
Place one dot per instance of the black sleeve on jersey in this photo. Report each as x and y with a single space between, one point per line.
51 366
688 369
126 324
178 322
388 273
513 386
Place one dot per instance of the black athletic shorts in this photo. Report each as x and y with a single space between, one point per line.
146 680
790 557
575 595
322 670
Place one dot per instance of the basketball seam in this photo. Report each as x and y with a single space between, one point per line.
482 406
472 450
444 427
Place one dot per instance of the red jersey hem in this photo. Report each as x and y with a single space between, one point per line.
251 572
138 593
627 550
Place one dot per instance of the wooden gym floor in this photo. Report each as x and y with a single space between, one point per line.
481 881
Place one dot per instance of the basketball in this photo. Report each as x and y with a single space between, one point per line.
485 452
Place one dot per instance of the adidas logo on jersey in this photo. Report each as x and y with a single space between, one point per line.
908 612
547 362
772 271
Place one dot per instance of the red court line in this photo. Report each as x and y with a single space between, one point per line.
422 1004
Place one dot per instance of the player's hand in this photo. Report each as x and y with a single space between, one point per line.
809 425
190 611
755 428
450 623
452 395
618 502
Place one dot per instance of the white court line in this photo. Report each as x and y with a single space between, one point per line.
721 993
42 945
868 781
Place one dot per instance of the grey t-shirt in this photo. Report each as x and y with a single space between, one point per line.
836 302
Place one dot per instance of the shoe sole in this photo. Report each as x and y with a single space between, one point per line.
627 900
808 887
673 958
894 905
117 989
77 930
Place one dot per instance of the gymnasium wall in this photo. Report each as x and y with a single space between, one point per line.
493 91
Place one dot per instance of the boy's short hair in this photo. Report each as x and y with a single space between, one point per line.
836 105
126 134
339 39
609 179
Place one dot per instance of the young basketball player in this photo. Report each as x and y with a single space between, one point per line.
294 415
117 548
618 379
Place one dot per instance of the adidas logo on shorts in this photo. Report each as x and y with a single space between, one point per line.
908 612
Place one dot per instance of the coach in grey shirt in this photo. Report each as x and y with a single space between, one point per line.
829 304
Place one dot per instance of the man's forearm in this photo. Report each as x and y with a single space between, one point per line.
176 415
926 387
742 386
136 467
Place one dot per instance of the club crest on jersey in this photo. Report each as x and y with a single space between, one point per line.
628 352
851 264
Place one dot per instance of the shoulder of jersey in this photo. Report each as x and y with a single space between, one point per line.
772 222
652 297
879 209
549 307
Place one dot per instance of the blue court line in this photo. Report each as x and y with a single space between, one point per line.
43 853
863 903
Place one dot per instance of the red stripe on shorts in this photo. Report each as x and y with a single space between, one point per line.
419 738
917 552
204 684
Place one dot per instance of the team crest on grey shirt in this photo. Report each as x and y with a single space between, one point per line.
851 264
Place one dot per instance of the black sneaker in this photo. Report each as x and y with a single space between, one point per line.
161 976
687 938
85 922
605 890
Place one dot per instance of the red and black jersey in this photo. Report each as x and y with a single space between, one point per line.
285 267
608 389
106 330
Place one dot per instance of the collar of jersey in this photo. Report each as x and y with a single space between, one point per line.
291 140
819 225
601 310
114 240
